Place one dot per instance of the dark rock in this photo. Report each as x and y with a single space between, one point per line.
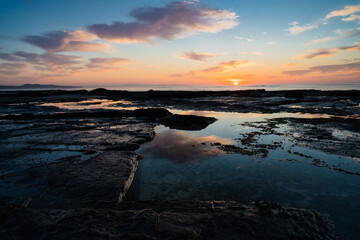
187 122
294 94
168 220
152 113
103 180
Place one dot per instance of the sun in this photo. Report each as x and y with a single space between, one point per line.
235 81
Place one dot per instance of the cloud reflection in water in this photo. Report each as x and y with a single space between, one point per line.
182 147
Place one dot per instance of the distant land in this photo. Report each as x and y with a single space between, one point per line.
36 86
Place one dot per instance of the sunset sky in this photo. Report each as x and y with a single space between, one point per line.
113 42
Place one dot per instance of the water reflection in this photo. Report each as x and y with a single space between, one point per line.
93 104
200 113
292 175
182 147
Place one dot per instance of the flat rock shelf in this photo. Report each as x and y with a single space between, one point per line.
70 158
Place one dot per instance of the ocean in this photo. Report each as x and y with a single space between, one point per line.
139 87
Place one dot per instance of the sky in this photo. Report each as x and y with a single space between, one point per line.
188 42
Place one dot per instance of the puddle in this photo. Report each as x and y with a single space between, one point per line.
183 165
93 104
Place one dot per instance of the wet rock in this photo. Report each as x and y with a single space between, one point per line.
168 220
320 133
152 113
103 180
258 152
294 94
174 121
187 122
69 115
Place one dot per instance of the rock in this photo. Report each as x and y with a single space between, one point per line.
174 121
101 181
168 220
152 113
187 122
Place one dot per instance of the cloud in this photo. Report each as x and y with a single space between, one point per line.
246 39
47 61
321 40
352 17
297 29
199 56
254 53
32 58
224 66
8 57
59 63
347 10
348 33
289 65
55 62
11 68
183 147
175 20
106 63
258 53
343 33
326 52
270 43
219 68
349 67
65 41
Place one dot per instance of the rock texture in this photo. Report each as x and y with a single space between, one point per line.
167 220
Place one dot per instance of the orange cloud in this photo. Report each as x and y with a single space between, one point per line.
352 17
289 65
326 52
199 56
321 40
224 66
349 67
347 10
217 69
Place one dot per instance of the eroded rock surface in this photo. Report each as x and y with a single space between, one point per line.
167 220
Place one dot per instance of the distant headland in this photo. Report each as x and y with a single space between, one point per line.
37 86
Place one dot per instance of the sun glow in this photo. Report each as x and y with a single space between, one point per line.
236 81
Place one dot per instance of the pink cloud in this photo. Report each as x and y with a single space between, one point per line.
175 20
349 67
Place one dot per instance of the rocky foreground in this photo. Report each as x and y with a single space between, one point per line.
167 220
64 173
